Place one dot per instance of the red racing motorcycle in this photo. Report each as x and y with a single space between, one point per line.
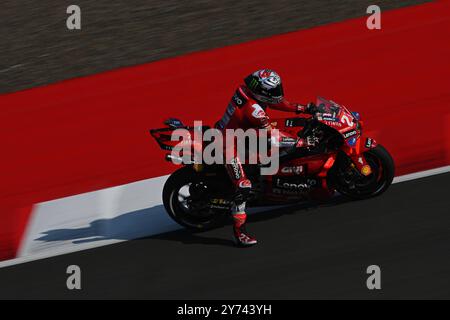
344 161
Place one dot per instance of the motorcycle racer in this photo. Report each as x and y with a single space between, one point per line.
247 109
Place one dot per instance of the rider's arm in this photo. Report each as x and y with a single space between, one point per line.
310 108
258 119
288 107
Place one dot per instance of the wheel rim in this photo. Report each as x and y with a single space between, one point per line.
361 186
190 209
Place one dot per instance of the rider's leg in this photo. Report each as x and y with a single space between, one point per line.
243 186
239 223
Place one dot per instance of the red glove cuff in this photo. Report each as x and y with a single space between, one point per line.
300 109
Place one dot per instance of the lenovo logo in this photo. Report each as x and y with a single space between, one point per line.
350 134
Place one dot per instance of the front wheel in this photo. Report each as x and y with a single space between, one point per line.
347 181
186 197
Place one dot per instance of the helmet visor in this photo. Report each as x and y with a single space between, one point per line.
273 95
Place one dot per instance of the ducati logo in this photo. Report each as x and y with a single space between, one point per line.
293 170
258 112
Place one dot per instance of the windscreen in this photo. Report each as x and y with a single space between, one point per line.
328 107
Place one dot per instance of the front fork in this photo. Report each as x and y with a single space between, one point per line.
357 155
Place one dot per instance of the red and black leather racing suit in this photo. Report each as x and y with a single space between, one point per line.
243 112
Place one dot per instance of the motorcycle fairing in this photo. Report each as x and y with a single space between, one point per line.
163 136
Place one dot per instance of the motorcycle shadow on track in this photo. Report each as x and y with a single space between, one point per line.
142 224
126 226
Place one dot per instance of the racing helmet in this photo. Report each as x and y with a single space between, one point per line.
265 86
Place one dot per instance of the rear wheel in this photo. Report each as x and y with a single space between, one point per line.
349 182
186 197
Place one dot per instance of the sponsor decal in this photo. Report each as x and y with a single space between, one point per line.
265 73
352 142
333 124
287 142
369 143
258 112
220 204
366 170
239 99
253 84
350 134
330 119
293 170
295 122
245 184
285 192
220 201
236 169
295 186
289 123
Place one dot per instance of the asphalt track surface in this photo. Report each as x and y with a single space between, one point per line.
304 252
36 48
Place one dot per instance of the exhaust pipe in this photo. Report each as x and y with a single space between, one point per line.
174 159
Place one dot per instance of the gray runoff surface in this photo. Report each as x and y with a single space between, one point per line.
37 49
305 252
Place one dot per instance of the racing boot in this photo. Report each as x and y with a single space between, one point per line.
241 236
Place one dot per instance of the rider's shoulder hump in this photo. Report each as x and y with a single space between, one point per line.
240 98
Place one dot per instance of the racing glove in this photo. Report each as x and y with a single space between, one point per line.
310 108
300 108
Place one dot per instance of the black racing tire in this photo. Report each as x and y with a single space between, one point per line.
180 178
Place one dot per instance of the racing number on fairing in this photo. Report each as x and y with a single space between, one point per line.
346 120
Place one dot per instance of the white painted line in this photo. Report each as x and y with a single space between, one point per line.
58 251
422 174
95 244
